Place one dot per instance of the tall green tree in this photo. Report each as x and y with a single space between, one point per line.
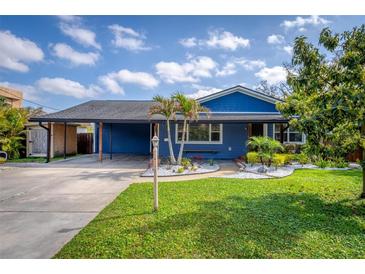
12 121
328 92
167 108
190 110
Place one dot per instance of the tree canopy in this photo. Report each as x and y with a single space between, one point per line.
327 101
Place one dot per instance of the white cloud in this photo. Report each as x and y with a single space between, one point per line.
275 39
192 71
250 64
81 35
288 49
226 40
228 69
140 78
300 22
128 38
64 51
61 86
203 91
15 52
29 91
111 84
70 18
189 42
217 39
112 80
272 75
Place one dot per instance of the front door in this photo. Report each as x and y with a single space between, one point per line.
257 129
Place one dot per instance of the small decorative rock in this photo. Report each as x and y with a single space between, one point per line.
262 169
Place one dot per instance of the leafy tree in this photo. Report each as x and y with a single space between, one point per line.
167 108
328 92
190 109
266 147
12 122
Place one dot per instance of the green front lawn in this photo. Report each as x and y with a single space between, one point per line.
311 214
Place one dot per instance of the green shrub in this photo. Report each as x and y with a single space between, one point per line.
252 157
186 163
336 162
322 163
302 158
288 158
2 160
180 170
279 160
289 148
340 162
266 147
193 168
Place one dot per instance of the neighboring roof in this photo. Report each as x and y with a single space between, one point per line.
244 90
11 93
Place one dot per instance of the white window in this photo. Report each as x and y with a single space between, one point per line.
290 135
200 133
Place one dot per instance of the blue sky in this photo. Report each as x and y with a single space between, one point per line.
63 61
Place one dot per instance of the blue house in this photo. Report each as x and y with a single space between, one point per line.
236 114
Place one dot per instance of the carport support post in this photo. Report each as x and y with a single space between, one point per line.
65 140
100 141
48 129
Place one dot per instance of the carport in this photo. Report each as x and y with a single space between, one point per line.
121 126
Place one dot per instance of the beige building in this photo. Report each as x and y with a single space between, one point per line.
37 139
12 96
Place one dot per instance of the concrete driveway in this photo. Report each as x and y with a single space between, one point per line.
43 206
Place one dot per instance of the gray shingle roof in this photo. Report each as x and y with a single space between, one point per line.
129 111
101 110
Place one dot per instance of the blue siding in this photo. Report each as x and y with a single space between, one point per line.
233 146
126 138
239 102
135 138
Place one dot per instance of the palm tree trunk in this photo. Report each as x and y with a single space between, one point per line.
182 143
172 156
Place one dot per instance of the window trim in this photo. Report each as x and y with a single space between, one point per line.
201 142
288 136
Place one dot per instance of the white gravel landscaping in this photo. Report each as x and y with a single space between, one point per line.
168 170
251 171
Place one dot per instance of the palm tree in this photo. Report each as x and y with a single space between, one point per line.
265 147
167 108
190 110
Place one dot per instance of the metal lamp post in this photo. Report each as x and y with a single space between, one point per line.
155 141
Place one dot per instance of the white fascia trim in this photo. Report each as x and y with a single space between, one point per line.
242 90
220 142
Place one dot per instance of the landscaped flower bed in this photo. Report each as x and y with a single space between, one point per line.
251 171
165 170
